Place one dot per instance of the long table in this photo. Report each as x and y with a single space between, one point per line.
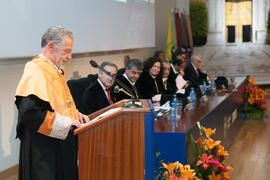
172 140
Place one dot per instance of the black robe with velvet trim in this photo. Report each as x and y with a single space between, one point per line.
43 157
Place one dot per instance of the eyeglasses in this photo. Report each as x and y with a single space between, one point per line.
67 51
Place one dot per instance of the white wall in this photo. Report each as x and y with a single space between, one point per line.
11 71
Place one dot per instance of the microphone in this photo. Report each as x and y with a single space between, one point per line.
117 89
93 63
128 90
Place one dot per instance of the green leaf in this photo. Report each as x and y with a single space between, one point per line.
193 146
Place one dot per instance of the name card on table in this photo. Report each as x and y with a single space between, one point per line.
204 98
188 107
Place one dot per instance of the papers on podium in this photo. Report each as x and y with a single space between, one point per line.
111 111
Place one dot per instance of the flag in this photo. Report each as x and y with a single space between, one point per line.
189 33
169 44
178 31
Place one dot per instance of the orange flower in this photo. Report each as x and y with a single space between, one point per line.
251 100
170 167
251 80
188 173
212 143
214 176
221 151
226 175
209 131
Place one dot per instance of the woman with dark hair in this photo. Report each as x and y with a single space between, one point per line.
150 81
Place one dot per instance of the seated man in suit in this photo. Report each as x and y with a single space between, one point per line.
98 95
194 74
178 61
129 78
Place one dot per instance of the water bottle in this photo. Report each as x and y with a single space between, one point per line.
204 88
174 108
192 95
212 85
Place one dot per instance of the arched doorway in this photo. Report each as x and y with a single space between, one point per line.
238 19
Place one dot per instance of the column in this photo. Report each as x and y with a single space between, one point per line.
216 22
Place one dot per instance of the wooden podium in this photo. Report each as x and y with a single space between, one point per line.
117 146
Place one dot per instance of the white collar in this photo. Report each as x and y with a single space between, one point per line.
194 66
154 77
174 70
56 67
125 75
103 87
164 79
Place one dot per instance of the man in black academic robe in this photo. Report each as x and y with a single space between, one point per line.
129 78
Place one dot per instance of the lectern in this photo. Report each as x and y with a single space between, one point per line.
119 145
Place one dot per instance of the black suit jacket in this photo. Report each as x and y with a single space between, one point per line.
147 85
172 74
119 96
94 99
195 81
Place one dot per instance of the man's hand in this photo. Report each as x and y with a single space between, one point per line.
83 118
156 98
75 123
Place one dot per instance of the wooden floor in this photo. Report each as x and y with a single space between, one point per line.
250 153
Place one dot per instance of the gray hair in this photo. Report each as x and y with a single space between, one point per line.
106 63
165 62
55 34
134 63
195 57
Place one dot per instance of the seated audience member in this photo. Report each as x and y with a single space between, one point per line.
129 78
150 81
175 68
98 95
173 86
194 74
178 61
169 83
180 55
160 54
181 83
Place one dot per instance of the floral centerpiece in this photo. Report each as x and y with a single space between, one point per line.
210 161
255 105
177 171
209 164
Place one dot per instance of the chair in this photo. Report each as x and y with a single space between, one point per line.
78 86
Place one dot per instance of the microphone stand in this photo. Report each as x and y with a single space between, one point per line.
129 103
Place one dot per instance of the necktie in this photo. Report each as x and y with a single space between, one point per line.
109 95
156 86
165 84
197 73
136 92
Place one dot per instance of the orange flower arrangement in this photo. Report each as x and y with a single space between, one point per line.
210 164
177 171
255 103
